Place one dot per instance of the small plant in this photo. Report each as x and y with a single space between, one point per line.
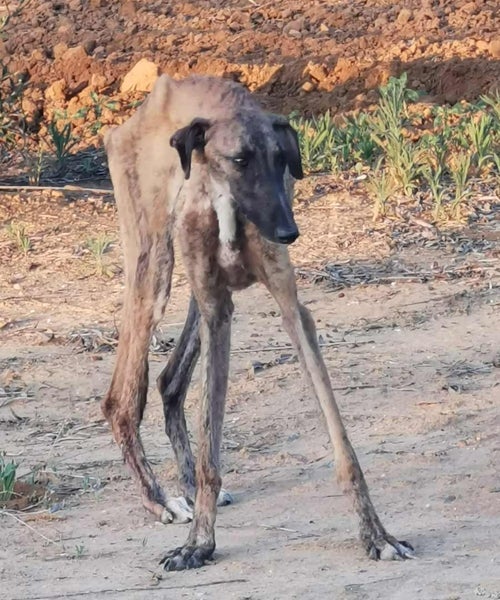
134 103
365 149
18 233
317 138
63 115
7 479
402 157
36 165
494 103
392 110
98 104
98 247
11 113
381 187
433 178
438 147
62 140
79 551
480 135
405 163
459 170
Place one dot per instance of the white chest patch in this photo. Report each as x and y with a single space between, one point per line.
226 216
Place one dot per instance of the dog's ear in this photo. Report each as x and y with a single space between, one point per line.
187 139
289 142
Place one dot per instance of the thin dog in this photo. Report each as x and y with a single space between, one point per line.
202 161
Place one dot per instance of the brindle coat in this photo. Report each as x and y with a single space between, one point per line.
201 160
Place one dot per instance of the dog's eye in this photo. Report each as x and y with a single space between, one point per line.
241 161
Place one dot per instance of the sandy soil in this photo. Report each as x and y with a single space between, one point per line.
414 360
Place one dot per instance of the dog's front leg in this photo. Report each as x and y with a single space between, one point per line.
277 274
215 330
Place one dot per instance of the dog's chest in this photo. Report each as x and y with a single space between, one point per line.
231 261
219 245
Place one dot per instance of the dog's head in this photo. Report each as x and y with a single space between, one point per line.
247 157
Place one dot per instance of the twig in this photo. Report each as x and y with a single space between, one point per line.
65 188
275 527
30 509
429 403
436 299
361 386
8 401
9 514
69 439
60 295
150 589
323 345
355 585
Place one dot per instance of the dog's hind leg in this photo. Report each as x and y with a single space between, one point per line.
146 183
147 288
173 384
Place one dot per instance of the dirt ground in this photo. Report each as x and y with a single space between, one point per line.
311 56
407 317
413 357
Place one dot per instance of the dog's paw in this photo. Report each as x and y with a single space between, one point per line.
388 548
186 557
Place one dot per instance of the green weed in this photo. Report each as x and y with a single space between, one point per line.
392 111
433 176
11 114
480 134
63 115
402 157
99 103
35 165
494 103
437 147
364 148
7 479
326 146
17 232
354 140
11 86
405 162
62 140
381 187
80 551
459 171
98 247
317 139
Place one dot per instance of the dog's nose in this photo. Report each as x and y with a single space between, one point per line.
286 236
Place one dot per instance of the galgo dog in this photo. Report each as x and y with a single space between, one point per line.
201 161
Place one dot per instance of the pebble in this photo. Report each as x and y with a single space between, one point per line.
405 14
495 48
